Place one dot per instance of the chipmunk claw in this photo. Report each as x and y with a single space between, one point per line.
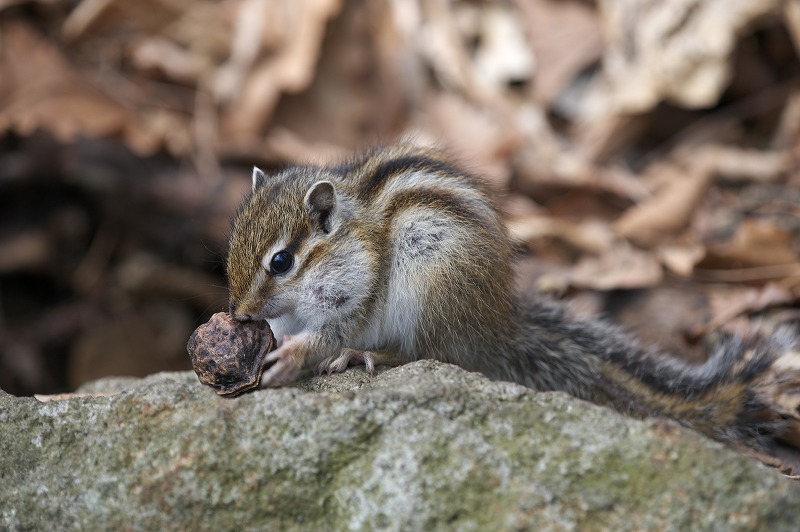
347 357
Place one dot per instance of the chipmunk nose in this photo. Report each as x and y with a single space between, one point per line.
241 316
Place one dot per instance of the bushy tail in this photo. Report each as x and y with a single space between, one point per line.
747 394
768 420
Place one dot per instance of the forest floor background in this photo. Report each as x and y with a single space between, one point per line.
646 155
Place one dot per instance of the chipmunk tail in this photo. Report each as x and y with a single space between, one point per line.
747 394
768 420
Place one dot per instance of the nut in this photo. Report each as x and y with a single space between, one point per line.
229 355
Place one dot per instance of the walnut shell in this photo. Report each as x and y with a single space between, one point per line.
229 355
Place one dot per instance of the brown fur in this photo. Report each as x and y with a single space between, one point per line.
410 211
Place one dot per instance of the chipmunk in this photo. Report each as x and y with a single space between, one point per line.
399 255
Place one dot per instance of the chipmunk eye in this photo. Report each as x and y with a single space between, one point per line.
281 262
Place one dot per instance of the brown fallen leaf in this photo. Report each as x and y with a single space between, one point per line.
730 304
91 17
674 51
734 163
565 38
621 266
41 90
287 69
755 243
503 56
588 236
542 162
156 55
670 209
359 95
677 52
788 131
681 258
791 16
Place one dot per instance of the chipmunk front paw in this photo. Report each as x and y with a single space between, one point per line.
287 363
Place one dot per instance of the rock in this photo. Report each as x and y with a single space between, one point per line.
422 446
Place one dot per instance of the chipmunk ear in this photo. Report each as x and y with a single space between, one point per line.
259 177
321 201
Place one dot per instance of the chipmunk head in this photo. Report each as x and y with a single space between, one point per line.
290 252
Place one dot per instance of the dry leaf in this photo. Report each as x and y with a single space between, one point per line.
791 14
40 90
503 57
622 266
681 258
755 243
787 134
734 163
94 18
288 69
676 51
732 303
247 53
156 128
669 211
290 147
565 37
588 236
545 163
356 99
167 58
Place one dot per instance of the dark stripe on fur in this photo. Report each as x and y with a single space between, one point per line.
297 239
387 169
443 200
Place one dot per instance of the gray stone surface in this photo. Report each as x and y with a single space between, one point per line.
424 446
